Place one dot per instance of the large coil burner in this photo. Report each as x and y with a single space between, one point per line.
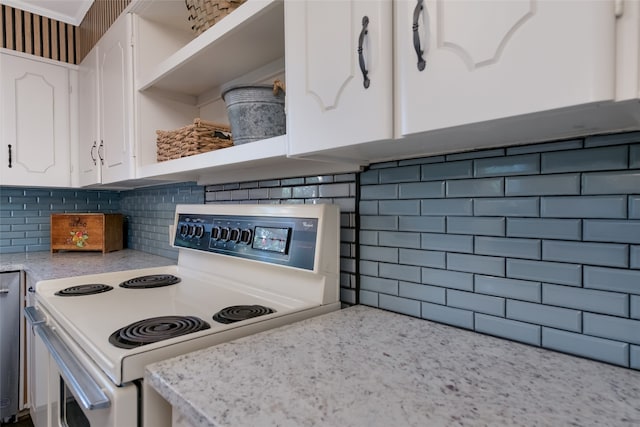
88 289
150 281
156 329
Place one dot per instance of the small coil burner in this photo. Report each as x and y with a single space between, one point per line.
236 313
156 329
88 289
151 281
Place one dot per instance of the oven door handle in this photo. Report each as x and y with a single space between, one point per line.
34 317
83 386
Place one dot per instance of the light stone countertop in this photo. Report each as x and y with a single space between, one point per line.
45 265
363 366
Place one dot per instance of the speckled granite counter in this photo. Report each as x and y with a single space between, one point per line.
45 265
367 367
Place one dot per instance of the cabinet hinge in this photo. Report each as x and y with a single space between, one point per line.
619 8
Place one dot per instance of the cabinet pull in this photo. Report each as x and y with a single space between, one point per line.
416 36
10 155
101 152
93 157
363 66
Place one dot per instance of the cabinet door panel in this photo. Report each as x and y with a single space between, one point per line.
35 122
88 138
115 102
327 83
494 59
327 103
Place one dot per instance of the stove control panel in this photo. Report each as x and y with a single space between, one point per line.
277 240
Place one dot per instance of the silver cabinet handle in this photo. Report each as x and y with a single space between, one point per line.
83 386
4 291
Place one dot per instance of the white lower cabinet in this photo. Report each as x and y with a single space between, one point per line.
106 106
35 121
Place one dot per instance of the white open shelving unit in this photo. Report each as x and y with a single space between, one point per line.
180 77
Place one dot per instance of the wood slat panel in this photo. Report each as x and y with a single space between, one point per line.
46 38
19 33
29 33
37 35
26 32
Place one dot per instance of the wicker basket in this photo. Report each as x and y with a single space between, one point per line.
205 13
199 137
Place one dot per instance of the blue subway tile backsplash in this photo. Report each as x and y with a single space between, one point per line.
25 213
606 158
536 243
511 329
610 351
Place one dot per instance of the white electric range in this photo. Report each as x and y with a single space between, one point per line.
241 269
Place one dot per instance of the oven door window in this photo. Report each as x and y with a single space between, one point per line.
71 414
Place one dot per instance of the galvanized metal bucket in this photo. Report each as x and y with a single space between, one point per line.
255 112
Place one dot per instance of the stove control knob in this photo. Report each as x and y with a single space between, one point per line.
199 232
184 229
215 233
224 234
192 231
245 236
234 235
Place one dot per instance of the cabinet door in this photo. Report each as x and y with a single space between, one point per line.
88 138
116 99
34 113
328 105
487 60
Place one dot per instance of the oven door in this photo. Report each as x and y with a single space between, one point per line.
82 396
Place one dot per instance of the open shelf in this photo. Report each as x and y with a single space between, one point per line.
243 41
262 159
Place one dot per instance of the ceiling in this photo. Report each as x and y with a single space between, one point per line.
69 11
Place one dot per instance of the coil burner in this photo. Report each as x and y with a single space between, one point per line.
88 289
156 329
236 313
151 281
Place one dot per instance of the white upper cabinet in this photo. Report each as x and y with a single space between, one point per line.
35 117
466 74
486 60
115 96
89 160
339 73
106 108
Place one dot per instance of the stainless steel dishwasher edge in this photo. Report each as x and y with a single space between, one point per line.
9 345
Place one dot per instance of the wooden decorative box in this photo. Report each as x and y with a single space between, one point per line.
86 232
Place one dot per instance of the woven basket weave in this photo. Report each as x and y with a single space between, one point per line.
205 13
200 137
